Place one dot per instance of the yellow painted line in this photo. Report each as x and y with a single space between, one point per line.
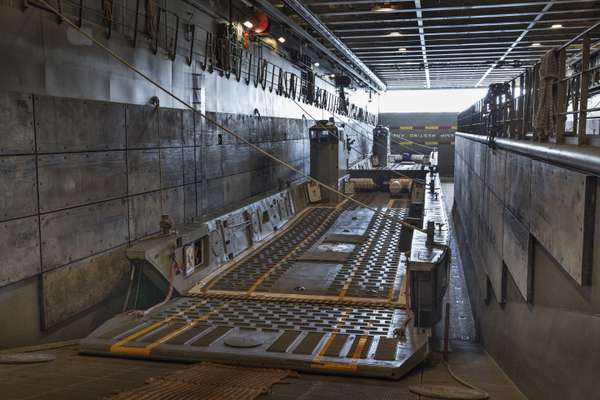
432 127
350 278
118 347
145 351
351 366
186 327
260 280
430 143
204 285
341 320
406 128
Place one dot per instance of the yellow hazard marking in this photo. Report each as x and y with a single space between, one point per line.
406 128
432 127
260 280
351 366
145 351
344 315
430 143
118 347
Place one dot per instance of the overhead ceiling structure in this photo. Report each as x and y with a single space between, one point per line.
419 44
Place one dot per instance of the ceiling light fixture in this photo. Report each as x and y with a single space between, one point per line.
556 26
385 7
402 49
536 44
248 24
281 39
316 64
394 34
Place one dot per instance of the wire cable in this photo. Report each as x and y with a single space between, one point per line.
208 119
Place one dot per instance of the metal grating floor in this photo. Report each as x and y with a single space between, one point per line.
325 338
325 295
340 253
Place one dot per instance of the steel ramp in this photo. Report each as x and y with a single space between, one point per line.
322 338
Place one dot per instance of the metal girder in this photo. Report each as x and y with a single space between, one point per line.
458 17
460 32
365 74
516 42
453 44
432 9
586 23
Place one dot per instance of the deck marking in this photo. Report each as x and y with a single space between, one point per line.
145 351
342 318
352 274
260 280
118 347
352 365
205 285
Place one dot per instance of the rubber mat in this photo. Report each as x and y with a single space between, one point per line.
209 381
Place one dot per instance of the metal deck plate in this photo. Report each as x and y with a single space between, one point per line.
325 295
351 251
324 338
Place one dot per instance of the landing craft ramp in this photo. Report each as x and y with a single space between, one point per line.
326 292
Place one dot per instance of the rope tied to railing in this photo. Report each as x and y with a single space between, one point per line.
544 120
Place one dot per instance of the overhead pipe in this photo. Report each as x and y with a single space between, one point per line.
582 158
364 74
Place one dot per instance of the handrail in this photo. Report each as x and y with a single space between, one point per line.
582 158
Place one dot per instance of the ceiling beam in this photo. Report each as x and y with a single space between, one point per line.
422 39
516 42
505 4
354 21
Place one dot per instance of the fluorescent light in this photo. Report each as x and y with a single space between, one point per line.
248 24
394 34
332 76
316 64
402 49
385 7
536 44
556 26
281 39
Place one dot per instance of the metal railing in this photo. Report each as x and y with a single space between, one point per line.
161 28
566 99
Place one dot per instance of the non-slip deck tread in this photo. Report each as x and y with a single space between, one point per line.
386 349
283 342
336 345
212 336
365 350
188 334
309 343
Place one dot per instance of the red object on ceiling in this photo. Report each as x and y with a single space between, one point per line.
261 23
